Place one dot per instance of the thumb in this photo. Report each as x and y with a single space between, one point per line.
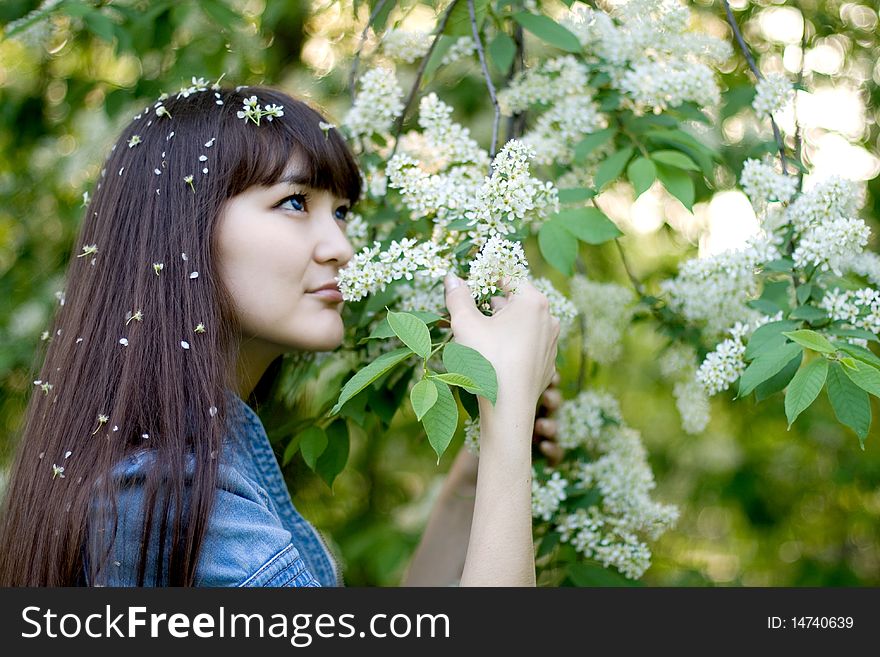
458 298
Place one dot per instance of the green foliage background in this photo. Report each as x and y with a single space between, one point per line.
760 505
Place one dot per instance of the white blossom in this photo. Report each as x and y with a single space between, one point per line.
772 95
607 309
547 496
377 104
499 258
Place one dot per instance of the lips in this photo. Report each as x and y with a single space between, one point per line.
329 291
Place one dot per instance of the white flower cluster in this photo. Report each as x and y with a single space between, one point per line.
463 47
860 308
356 230
511 195
679 364
832 244
498 258
649 54
607 309
447 142
763 184
866 264
424 293
609 530
404 45
372 269
665 84
772 94
552 81
580 420
560 306
546 497
252 111
377 104
832 197
715 289
560 84
472 435
557 131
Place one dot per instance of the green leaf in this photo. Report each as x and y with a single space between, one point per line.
423 396
808 313
591 142
779 380
849 363
370 373
852 333
675 159
460 380
804 388
589 225
803 293
548 30
442 420
811 340
335 456
470 362
412 331
768 335
501 52
641 173
575 194
859 353
785 265
312 443
866 377
612 167
678 183
558 246
291 449
851 404
767 364
459 23
100 25
221 13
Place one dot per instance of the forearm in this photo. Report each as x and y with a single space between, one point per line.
501 548
439 557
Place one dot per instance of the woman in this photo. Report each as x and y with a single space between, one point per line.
215 230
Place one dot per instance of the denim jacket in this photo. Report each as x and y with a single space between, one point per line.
255 537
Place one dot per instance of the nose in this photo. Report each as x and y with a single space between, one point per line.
333 244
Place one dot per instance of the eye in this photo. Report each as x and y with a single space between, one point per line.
296 202
342 212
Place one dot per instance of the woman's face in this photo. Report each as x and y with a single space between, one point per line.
278 245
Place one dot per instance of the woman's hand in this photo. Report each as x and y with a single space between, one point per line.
519 339
545 427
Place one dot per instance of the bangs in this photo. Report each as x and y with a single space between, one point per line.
265 150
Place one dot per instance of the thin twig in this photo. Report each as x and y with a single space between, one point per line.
357 55
777 135
479 44
517 121
798 128
398 127
632 277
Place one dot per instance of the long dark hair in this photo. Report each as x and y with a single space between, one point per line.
145 210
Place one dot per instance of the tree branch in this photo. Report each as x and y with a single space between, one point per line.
398 126
352 78
479 44
777 135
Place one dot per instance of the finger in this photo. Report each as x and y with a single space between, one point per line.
551 398
552 451
545 427
497 303
556 379
459 300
